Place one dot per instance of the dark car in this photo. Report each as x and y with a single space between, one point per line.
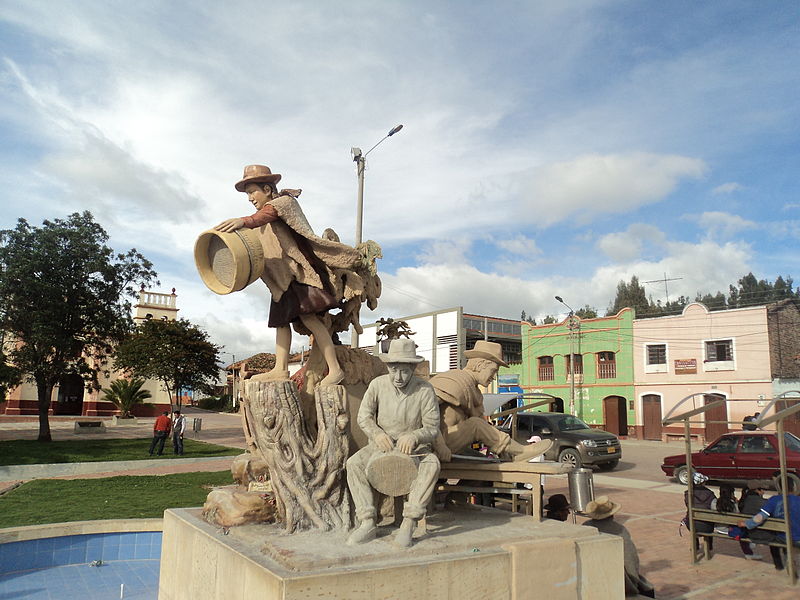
574 442
739 456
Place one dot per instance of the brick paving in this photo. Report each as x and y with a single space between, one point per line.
651 515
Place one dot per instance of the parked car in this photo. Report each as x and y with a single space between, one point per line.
740 456
574 442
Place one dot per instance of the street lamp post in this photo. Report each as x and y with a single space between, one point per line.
571 327
361 163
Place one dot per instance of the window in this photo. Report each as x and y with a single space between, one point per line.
718 355
726 444
606 365
546 372
756 444
578 364
656 354
655 358
719 350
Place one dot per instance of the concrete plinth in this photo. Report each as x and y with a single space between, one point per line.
468 553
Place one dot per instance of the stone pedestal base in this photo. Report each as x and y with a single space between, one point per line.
468 553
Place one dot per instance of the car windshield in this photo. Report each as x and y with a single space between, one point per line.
792 442
570 423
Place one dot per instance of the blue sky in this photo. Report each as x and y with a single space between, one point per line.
548 147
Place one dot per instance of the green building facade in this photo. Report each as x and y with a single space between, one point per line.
603 367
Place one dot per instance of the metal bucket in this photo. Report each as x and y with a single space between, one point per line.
581 489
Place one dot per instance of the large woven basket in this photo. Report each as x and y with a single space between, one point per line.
229 262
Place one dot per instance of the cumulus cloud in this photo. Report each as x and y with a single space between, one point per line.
445 252
727 188
627 245
519 244
722 224
603 184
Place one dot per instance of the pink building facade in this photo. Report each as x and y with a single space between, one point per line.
711 354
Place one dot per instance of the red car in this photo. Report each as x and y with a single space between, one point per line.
739 456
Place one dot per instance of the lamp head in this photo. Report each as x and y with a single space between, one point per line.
394 130
559 299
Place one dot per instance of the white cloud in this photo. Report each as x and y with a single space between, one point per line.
627 245
596 184
445 252
727 188
519 244
722 224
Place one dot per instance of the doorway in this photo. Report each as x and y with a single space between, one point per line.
615 415
70 396
651 416
716 418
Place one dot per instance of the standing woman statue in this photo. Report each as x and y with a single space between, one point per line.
300 268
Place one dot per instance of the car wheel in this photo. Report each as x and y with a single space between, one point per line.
609 466
570 457
682 475
794 483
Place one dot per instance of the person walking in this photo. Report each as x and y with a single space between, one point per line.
178 427
161 429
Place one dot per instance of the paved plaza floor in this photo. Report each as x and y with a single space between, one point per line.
652 508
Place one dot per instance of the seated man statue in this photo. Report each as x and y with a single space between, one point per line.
461 406
399 413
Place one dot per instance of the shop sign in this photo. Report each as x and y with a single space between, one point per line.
685 366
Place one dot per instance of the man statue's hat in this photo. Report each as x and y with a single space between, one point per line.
257 174
489 350
402 351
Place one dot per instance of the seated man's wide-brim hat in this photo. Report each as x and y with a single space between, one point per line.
601 507
489 350
256 174
557 502
402 351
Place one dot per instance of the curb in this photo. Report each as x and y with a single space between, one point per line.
43 471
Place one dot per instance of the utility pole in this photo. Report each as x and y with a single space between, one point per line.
361 164
571 327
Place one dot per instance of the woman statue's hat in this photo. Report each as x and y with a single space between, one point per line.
256 174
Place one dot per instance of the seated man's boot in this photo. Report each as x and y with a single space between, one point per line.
404 535
366 532
520 453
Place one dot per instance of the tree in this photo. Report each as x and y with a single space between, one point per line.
630 295
587 312
126 393
527 318
9 375
549 320
176 353
64 300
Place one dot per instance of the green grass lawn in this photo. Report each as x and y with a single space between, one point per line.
31 452
124 497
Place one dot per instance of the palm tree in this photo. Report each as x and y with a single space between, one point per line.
124 393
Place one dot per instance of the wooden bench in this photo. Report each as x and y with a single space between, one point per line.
667 435
503 472
771 524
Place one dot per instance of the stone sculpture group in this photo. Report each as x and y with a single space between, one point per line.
299 429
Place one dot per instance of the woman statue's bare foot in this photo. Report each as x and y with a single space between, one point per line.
333 378
273 375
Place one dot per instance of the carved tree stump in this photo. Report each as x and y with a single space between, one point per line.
307 474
